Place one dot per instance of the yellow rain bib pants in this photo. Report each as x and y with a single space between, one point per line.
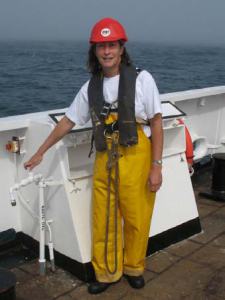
134 212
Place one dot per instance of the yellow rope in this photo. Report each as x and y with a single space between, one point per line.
113 157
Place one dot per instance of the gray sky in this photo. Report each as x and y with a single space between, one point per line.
173 21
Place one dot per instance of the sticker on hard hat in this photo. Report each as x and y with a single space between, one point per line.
105 32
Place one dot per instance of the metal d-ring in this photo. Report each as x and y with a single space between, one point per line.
107 136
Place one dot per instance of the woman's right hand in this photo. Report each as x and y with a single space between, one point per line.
61 129
33 161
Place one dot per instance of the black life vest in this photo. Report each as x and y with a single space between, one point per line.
126 108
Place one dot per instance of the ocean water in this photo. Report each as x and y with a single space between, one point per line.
37 76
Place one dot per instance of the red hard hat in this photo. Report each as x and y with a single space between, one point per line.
107 30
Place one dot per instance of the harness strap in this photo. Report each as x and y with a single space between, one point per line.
110 128
92 146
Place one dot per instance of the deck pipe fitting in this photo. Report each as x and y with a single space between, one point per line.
42 184
24 182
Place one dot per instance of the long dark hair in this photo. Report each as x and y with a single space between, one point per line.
93 64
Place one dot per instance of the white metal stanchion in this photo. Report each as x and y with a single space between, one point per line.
42 260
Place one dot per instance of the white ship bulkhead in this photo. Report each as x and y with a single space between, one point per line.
175 214
205 110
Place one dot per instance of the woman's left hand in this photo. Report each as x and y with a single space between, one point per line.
155 178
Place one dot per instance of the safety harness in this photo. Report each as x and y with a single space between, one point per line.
126 108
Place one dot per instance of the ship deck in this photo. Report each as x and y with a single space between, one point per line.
191 269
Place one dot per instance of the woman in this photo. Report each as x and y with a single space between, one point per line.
125 109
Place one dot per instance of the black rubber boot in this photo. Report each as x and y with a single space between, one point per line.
98 287
136 282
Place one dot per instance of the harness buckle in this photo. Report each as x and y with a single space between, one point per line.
105 110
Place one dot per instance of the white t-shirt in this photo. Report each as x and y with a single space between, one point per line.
147 102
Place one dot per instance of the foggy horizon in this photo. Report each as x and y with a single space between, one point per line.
176 22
